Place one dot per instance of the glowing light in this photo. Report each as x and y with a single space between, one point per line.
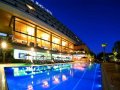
32 76
56 80
71 73
55 67
41 71
63 43
45 84
64 78
4 45
79 66
30 7
32 82
48 73
99 85
60 69
32 49
104 45
48 51
30 87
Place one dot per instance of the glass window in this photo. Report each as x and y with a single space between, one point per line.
20 38
71 46
30 31
64 49
39 43
24 27
39 33
43 35
17 35
45 44
64 43
55 47
55 40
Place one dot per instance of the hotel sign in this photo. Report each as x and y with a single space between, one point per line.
40 5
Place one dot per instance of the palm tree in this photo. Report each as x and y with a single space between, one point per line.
116 48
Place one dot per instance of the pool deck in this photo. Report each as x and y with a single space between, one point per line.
111 76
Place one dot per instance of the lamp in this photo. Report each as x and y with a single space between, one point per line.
3 46
103 46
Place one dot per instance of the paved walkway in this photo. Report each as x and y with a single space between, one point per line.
111 76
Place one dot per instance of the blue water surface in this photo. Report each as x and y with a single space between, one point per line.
77 76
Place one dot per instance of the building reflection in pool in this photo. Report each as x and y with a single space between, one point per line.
42 76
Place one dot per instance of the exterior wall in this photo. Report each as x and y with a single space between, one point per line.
28 34
19 8
28 28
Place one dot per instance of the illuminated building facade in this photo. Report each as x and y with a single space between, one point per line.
25 24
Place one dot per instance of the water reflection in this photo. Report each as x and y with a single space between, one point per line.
80 66
56 79
47 76
30 87
64 77
45 84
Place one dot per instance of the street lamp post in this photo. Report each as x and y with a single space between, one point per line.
104 46
3 46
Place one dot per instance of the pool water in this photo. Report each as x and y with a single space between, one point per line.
77 76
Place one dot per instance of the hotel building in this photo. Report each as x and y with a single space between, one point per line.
33 32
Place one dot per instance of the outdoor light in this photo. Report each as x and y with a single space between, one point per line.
48 51
30 7
104 45
4 45
32 49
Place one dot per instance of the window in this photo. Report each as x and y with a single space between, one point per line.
55 40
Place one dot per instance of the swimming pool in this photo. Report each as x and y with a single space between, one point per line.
77 76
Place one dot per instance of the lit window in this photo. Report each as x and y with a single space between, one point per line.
55 40
45 36
30 31
63 43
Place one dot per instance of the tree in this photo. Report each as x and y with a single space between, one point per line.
116 48
100 56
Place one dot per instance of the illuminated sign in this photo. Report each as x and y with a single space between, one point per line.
3 34
40 5
26 54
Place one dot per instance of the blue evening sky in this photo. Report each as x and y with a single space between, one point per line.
94 21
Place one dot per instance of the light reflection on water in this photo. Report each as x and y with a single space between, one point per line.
47 76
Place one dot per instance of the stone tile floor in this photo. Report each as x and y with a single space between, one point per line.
111 72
